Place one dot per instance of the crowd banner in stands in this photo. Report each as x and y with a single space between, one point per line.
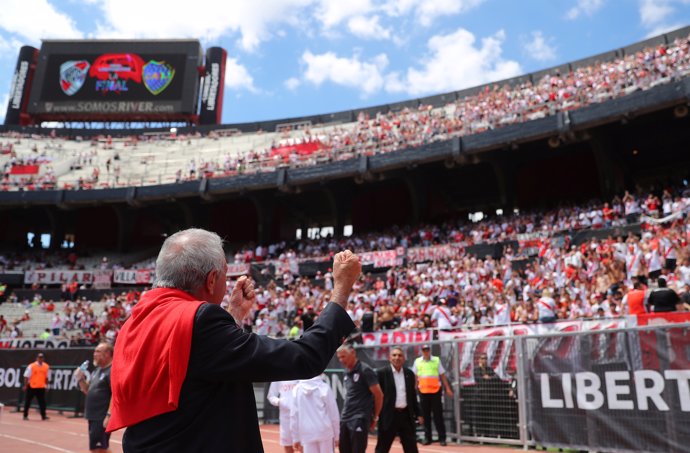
386 258
213 85
238 269
134 276
385 338
33 343
433 253
611 392
59 276
21 85
499 342
668 218
102 280
63 390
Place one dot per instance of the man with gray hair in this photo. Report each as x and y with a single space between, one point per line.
183 367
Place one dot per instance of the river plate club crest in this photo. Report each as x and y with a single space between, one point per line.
73 75
157 75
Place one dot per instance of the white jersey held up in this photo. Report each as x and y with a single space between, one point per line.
314 417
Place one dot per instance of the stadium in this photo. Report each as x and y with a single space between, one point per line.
508 220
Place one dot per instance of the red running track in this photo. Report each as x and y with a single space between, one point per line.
69 435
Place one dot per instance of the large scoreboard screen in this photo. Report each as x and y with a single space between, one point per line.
118 80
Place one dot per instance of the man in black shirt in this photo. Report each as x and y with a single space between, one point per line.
363 402
98 393
685 298
663 299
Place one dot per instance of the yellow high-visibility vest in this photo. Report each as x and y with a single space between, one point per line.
427 374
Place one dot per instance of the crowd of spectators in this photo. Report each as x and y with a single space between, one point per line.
557 280
490 108
493 107
74 318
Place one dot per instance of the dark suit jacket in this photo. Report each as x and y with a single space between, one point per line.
387 383
217 410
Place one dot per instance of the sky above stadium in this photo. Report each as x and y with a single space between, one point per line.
299 57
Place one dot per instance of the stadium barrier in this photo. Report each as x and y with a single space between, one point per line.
609 390
614 387
63 394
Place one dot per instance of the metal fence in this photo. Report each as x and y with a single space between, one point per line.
612 390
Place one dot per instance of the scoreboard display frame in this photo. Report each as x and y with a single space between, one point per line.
116 80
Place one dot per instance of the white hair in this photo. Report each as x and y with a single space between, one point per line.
187 257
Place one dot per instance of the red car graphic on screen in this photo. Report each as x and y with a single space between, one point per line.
126 66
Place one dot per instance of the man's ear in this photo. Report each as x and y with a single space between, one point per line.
211 281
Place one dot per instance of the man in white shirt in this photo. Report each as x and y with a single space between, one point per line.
442 316
280 395
546 306
400 408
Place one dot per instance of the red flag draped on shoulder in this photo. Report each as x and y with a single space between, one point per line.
151 357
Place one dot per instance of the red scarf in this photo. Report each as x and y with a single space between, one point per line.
151 357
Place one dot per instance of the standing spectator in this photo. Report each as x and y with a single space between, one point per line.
308 317
36 379
635 299
663 298
363 401
56 324
400 408
546 306
98 397
485 394
430 373
314 418
442 317
280 395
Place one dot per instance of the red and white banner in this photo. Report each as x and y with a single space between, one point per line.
385 338
56 276
238 269
134 276
102 279
386 258
502 354
433 253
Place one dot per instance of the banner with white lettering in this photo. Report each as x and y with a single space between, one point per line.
102 279
611 391
63 391
238 269
32 343
60 276
134 276
385 258
385 338
433 253
499 346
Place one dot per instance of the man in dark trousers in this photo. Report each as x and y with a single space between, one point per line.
430 374
400 407
36 378
363 401
486 388
97 390
183 367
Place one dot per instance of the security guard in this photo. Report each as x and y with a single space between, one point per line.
36 379
430 373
